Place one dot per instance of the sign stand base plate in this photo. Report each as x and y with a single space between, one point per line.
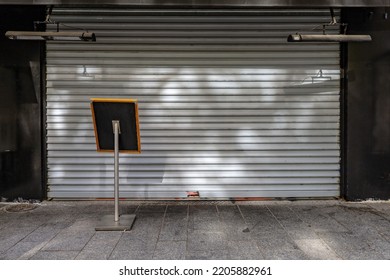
107 223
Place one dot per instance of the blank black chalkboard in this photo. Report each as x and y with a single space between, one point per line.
104 111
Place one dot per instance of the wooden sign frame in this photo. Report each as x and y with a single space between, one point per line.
106 110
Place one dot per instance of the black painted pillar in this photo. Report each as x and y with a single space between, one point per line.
21 173
368 106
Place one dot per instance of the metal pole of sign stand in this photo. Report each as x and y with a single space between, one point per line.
117 130
116 222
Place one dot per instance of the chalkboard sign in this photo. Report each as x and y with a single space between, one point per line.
104 111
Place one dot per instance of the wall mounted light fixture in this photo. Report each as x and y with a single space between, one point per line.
329 37
51 35
41 33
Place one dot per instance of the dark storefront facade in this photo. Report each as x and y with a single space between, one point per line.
228 108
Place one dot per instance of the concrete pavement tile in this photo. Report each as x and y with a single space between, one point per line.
55 255
319 219
287 218
24 220
6 220
208 255
302 233
244 250
178 209
122 254
292 224
350 247
100 246
43 233
68 241
254 212
260 219
147 225
362 219
233 223
376 242
203 212
170 250
231 215
229 212
284 254
151 208
72 238
274 241
237 232
204 217
316 249
11 236
60 221
107 208
281 212
204 223
22 250
174 227
203 209
383 207
130 241
125 209
200 240
148 220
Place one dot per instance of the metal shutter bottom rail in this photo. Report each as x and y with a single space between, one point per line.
228 108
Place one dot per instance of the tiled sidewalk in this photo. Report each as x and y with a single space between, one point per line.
310 229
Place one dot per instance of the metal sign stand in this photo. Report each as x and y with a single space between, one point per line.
112 222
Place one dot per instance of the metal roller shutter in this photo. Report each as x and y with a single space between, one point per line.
228 108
